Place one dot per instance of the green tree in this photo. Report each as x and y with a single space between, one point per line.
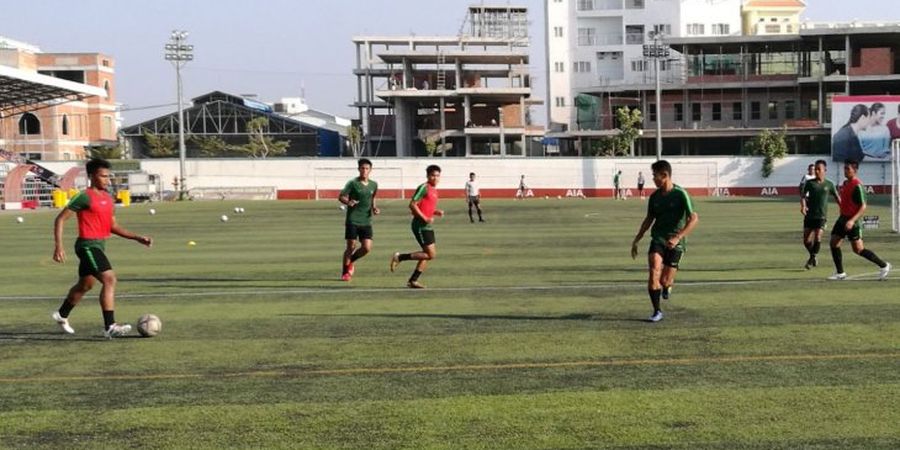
354 138
212 146
431 146
260 144
771 146
106 151
629 120
160 145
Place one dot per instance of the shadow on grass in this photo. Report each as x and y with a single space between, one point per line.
585 317
32 336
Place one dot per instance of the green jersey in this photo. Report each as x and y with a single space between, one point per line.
816 195
364 194
669 211
616 179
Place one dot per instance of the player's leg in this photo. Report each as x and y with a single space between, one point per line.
76 293
365 246
836 254
428 253
671 258
478 208
351 235
817 243
471 203
108 305
860 249
654 282
808 238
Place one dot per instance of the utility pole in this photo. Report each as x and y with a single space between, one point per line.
657 51
502 136
179 53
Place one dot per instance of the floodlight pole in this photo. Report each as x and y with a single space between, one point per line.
657 51
180 53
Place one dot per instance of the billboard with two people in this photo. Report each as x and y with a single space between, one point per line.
862 127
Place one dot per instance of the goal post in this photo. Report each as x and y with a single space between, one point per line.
690 175
895 181
328 181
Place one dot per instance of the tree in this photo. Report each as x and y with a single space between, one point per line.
620 145
212 146
160 145
431 146
262 145
354 138
105 151
771 146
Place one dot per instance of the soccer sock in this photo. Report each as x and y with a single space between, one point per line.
838 258
654 298
354 257
817 245
405 257
871 256
65 308
809 246
415 276
109 318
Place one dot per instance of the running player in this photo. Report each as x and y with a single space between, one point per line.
853 205
473 197
359 196
672 216
814 207
95 210
424 208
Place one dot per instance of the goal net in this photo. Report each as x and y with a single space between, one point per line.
689 175
330 180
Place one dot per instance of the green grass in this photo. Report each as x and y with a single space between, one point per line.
531 334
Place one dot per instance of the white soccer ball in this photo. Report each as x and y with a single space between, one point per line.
559 197
224 218
149 325
343 207
20 219
152 212
237 210
241 210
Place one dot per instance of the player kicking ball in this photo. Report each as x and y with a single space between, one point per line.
672 217
424 209
95 210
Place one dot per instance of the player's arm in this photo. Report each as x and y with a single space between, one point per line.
803 206
414 204
860 198
344 196
375 209
645 225
689 225
119 231
59 253
834 193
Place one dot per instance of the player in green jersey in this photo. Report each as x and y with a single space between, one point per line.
814 207
672 216
359 197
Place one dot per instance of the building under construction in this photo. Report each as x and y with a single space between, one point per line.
462 95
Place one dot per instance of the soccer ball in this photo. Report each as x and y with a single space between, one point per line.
241 210
149 325
237 210
20 219
224 218
152 212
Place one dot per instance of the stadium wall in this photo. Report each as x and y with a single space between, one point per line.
592 177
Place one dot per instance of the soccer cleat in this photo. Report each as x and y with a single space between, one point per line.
838 276
815 260
351 269
345 277
115 330
63 323
415 285
882 275
656 317
666 291
395 261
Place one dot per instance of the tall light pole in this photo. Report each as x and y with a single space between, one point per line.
657 51
502 135
179 53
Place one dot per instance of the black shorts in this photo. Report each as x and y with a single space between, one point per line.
640 186
813 224
424 236
474 199
840 230
670 256
353 232
92 261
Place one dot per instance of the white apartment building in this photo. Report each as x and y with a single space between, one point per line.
596 46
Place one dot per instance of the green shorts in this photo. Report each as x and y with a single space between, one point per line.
840 230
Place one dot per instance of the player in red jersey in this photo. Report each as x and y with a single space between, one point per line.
424 209
94 208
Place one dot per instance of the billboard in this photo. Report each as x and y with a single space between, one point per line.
862 127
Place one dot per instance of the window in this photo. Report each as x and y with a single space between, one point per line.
560 67
716 111
104 63
634 4
721 29
773 110
634 34
560 102
639 65
662 28
679 112
790 109
108 131
652 108
29 124
583 5
754 110
587 36
581 66
737 111
696 112
558 31
695 29
65 125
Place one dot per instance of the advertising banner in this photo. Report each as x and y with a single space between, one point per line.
862 127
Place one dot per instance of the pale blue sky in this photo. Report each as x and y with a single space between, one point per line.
272 47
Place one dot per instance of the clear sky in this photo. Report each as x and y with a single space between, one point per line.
271 48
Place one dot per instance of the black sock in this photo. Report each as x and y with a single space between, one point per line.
405 257
480 219
415 276
871 256
838 258
65 308
355 256
809 247
817 245
654 298
109 318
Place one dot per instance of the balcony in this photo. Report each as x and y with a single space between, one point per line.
594 40
763 29
599 5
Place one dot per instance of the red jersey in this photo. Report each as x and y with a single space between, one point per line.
853 196
426 197
95 213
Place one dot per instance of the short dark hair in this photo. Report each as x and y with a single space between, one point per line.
363 161
432 168
822 162
96 164
812 165
852 162
662 166
471 173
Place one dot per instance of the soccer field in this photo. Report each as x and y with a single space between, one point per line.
531 334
